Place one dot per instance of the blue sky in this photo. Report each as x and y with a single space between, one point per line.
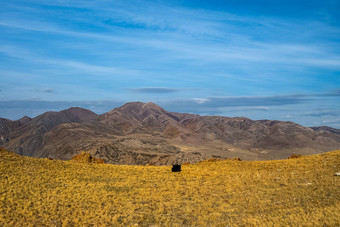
259 59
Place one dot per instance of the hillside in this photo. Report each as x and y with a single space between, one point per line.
139 133
294 192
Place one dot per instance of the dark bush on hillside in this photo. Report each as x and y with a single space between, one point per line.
212 160
150 164
84 157
294 156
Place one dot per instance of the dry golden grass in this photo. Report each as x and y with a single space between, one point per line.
294 192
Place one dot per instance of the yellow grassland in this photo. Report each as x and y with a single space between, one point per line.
294 192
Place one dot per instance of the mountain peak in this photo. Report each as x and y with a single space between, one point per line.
81 113
139 106
135 111
50 119
24 119
152 105
132 104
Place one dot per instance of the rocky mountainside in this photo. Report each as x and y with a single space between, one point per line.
140 133
8 126
28 138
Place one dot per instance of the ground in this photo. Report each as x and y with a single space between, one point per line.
295 192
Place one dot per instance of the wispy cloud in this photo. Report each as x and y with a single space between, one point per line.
154 90
322 113
181 41
45 90
200 100
331 94
263 108
48 90
27 55
211 105
332 121
251 101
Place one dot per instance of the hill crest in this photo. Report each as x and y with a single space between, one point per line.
139 133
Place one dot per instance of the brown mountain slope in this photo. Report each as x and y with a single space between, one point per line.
139 133
139 117
28 139
8 126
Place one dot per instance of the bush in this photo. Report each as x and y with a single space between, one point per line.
99 160
150 164
84 157
294 156
210 160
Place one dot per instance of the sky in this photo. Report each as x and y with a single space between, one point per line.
260 59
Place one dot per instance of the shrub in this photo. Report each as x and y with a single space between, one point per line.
150 164
210 160
84 157
294 156
99 160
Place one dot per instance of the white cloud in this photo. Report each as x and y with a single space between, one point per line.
200 100
198 35
288 116
262 108
27 55
331 121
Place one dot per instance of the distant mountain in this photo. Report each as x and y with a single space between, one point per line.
139 133
28 138
8 126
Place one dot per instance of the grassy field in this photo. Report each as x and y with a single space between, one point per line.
294 192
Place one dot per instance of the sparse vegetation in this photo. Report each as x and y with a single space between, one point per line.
211 160
84 157
294 156
294 192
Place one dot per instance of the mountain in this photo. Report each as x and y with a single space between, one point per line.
28 138
140 133
8 126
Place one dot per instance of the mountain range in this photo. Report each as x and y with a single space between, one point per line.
142 133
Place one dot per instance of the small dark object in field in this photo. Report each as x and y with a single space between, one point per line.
150 164
176 168
50 158
294 156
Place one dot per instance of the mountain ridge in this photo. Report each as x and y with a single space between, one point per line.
139 133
